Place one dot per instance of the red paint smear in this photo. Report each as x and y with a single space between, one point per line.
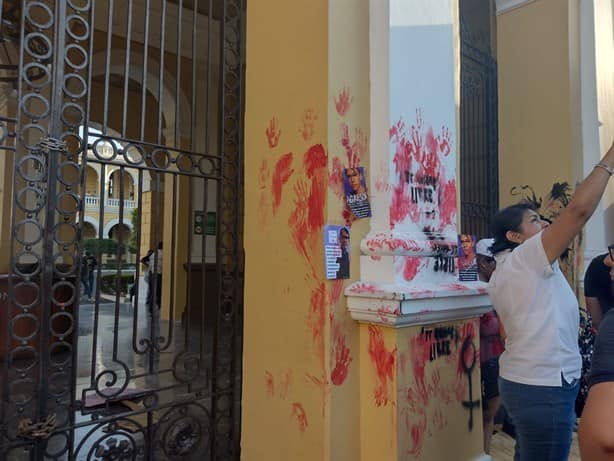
308 129
342 357
263 174
269 384
467 331
272 133
343 101
417 436
355 150
307 219
263 180
384 361
281 175
447 206
359 147
420 350
298 412
410 268
424 149
348 216
317 318
335 179
363 288
336 291
285 381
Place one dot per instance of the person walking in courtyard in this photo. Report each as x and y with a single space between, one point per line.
540 367
91 268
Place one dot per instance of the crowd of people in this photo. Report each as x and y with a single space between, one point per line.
535 347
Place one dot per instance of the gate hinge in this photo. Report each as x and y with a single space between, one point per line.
42 430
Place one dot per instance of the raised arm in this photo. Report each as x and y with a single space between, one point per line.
557 237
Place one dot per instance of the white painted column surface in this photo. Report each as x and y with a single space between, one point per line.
408 268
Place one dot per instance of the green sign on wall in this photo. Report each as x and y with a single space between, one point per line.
205 222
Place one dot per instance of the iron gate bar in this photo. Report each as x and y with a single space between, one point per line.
127 70
226 169
479 156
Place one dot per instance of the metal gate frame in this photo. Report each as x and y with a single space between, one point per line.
479 161
39 403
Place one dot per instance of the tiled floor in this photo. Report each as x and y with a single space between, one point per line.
502 448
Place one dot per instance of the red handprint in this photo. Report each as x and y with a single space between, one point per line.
343 102
342 362
309 124
273 132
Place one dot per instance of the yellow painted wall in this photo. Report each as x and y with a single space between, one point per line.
536 100
307 81
413 387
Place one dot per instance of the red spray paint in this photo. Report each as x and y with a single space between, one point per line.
282 173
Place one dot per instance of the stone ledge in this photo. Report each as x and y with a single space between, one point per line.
401 306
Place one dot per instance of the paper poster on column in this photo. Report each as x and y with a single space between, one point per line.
356 195
467 259
337 252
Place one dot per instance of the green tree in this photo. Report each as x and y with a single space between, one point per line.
134 219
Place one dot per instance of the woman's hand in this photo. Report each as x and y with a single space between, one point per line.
558 236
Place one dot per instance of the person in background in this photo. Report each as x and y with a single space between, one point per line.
491 347
91 268
540 367
595 434
85 279
599 288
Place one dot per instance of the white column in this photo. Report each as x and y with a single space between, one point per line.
409 254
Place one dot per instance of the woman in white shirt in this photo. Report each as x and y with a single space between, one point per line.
540 368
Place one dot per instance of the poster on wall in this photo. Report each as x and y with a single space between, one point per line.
337 252
355 187
467 260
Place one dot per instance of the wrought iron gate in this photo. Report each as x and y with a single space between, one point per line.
125 136
479 137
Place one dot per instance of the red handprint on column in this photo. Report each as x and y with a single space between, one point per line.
273 132
343 101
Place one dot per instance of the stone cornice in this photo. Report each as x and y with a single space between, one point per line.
402 306
503 6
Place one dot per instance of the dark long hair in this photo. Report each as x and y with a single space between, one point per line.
508 219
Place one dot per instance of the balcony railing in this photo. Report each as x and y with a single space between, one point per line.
91 202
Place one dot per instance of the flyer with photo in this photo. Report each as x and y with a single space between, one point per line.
337 252
355 188
467 260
